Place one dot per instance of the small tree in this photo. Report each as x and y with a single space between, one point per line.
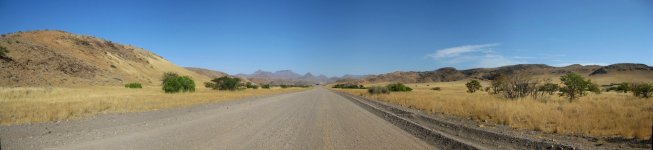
398 87
575 86
498 84
473 86
644 90
173 83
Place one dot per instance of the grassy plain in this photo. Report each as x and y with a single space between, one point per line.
608 114
36 104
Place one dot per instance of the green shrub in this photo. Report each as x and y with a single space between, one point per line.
349 86
473 86
644 90
378 90
224 83
3 52
134 85
265 86
173 83
398 87
250 85
576 86
284 86
623 87
436 88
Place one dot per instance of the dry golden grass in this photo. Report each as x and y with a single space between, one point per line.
30 105
605 115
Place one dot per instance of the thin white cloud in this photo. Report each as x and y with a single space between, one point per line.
481 55
459 50
522 57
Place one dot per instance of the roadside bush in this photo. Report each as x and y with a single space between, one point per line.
644 90
265 86
398 87
473 86
224 83
623 87
378 90
133 85
173 83
3 52
209 84
283 86
576 86
436 88
349 86
514 86
250 85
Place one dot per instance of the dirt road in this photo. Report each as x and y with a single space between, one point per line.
312 119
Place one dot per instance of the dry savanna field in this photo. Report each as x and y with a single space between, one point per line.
608 114
36 104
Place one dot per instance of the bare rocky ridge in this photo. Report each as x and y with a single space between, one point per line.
212 73
625 72
58 58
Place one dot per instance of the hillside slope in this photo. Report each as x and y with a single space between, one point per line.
58 58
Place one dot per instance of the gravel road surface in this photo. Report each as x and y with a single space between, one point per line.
312 119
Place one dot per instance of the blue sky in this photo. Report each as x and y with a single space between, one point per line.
335 37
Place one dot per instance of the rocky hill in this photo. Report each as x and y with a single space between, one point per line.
624 72
58 58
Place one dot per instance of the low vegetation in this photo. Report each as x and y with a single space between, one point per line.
40 104
250 85
644 90
349 86
575 107
265 86
173 83
473 86
576 86
608 114
224 83
3 52
134 85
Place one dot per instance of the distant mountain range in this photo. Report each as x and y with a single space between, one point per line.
286 77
